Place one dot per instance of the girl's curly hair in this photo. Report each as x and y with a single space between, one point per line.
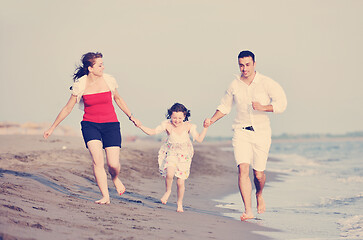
178 107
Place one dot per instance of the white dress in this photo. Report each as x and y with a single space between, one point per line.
177 151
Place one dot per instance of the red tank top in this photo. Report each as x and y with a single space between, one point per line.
98 108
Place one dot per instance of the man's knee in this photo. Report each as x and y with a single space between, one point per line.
259 175
243 170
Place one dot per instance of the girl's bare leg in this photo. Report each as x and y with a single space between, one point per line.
114 166
181 190
168 183
96 151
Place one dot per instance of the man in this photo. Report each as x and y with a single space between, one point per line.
254 95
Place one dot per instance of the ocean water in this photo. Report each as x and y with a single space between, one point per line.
320 195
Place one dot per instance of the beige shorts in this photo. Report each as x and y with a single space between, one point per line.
251 148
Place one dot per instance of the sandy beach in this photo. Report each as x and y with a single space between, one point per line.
48 192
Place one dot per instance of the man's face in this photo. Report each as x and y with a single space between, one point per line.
246 66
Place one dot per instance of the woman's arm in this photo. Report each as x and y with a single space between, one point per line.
123 106
66 110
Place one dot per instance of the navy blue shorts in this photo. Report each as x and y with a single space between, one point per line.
108 133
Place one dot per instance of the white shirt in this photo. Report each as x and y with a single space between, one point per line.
263 90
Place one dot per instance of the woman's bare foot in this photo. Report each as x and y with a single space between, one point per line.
165 197
103 200
120 188
261 206
245 216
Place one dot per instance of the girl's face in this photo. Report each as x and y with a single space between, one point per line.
177 118
97 68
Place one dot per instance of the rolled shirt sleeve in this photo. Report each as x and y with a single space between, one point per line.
263 90
278 97
226 104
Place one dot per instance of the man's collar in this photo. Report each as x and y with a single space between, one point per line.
256 79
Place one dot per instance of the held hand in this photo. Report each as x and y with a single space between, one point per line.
257 106
135 121
207 123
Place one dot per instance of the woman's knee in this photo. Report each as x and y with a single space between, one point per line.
114 169
98 161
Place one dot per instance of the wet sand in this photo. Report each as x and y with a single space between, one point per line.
48 192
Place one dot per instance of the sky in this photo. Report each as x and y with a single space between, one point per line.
162 52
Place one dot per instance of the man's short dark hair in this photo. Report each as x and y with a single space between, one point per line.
247 53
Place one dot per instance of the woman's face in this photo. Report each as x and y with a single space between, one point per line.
97 68
177 118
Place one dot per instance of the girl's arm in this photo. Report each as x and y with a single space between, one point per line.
123 106
200 137
159 129
147 130
66 110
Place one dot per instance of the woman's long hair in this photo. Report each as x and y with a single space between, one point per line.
88 60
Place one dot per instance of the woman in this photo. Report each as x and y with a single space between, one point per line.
93 91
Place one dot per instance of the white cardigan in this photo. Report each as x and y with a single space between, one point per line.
79 86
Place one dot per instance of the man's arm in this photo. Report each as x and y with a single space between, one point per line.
217 115
263 108
278 97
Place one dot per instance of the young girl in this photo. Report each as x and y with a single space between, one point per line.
175 155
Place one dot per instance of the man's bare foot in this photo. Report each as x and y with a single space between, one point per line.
165 197
261 206
246 216
103 201
120 188
180 208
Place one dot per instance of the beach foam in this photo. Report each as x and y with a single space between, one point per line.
320 192
352 179
352 227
